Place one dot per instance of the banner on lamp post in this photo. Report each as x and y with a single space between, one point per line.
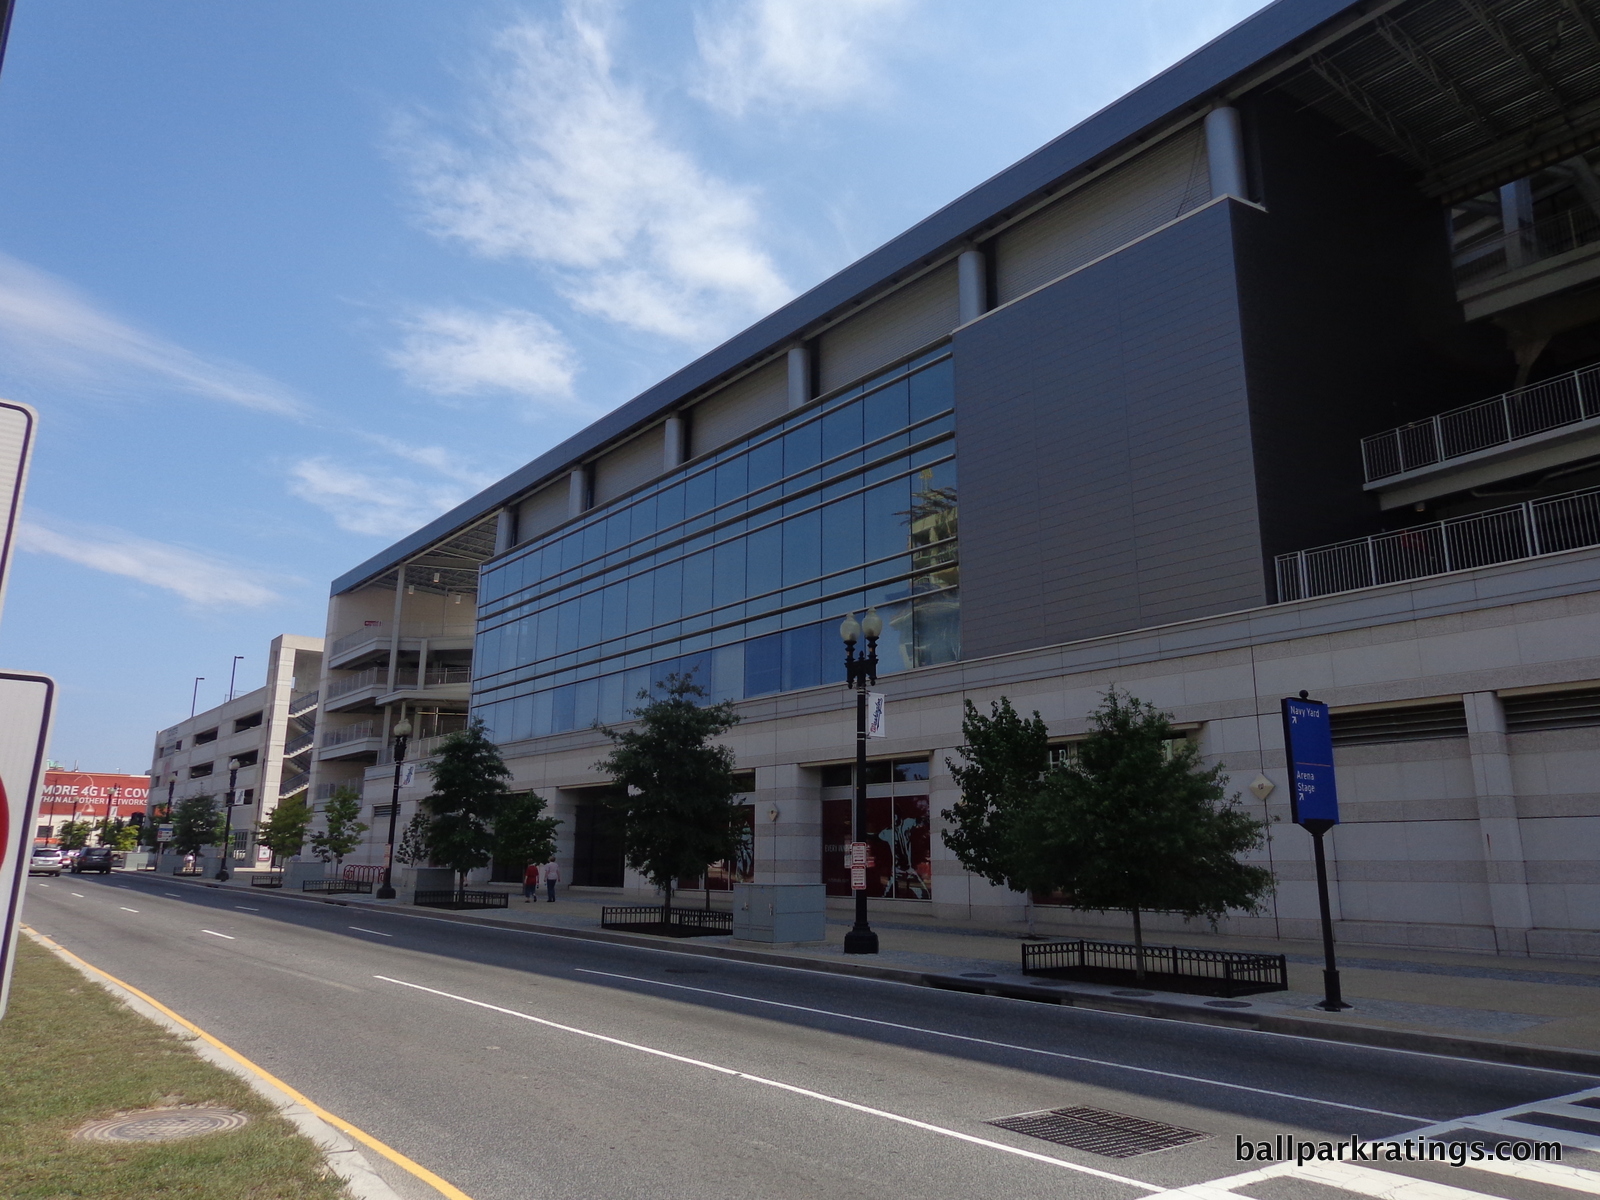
26 702
876 702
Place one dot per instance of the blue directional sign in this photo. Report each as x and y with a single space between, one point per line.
1308 742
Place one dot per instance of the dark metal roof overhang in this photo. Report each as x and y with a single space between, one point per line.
1470 93
1280 35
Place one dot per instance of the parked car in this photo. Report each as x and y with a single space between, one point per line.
93 858
46 860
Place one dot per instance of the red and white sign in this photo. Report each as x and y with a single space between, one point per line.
17 422
25 706
91 796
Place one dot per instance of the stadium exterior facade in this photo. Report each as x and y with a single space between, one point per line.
1273 375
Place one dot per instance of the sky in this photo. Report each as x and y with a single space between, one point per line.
286 281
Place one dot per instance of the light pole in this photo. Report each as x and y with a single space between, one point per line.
233 674
402 735
194 698
227 824
860 671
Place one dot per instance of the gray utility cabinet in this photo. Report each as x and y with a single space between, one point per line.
779 912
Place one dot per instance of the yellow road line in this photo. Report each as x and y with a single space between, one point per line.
366 1139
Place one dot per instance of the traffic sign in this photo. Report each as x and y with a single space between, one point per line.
858 879
26 702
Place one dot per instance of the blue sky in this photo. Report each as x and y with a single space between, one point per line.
287 280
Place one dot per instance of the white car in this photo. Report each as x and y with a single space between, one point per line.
46 860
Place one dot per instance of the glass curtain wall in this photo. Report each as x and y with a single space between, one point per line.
737 568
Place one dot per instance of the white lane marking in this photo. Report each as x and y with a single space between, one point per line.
358 929
789 1087
174 895
214 933
44 885
1555 1174
959 1037
246 908
79 895
125 908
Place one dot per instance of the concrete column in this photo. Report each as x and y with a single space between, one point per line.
394 631
1516 215
672 448
1225 153
788 825
799 376
1505 867
505 530
577 492
972 286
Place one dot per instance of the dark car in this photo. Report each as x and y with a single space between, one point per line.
94 858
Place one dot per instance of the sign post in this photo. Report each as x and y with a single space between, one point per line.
1314 806
26 701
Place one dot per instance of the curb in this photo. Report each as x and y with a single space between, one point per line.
361 1180
1516 1054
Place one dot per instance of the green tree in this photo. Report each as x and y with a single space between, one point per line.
196 822
413 848
675 789
1005 760
284 830
469 780
74 835
118 834
522 834
1134 822
341 832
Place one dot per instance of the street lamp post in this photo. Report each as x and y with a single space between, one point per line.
194 697
861 671
402 735
227 824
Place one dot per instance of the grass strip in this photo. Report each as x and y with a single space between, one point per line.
71 1052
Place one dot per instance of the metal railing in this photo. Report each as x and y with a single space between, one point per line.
369 872
299 745
433 676
325 791
293 785
348 733
1527 530
346 684
416 750
385 632
462 899
303 703
1229 972
337 887
648 918
1522 247
1565 400
267 879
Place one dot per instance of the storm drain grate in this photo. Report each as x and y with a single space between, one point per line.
1114 1135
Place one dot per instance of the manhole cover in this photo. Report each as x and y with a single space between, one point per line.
1113 1135
162 1125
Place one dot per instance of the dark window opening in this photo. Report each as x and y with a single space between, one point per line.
200 770
204 736
1412 723
1553 710
597 850
248 759
248 722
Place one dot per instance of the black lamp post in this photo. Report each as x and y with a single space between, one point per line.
227 824
861 671
402 735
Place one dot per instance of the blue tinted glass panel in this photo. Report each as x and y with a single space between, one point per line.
763 665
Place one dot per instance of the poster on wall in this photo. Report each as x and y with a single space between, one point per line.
899 842
26 702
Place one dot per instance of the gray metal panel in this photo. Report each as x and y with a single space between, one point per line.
1269 33
1104 447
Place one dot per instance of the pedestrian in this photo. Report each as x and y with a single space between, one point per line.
552 876
530 883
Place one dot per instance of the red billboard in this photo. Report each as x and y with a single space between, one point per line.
91 796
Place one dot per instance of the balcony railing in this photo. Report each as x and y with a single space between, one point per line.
349 733
433 677
302 704
1500 535
293 785
416 750
1497 421
385 631
346 684
1543 239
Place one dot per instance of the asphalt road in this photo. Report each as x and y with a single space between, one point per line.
520 1065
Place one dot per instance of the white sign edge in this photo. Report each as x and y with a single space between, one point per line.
24 834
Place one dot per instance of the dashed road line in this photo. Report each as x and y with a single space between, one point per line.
214 933
358 929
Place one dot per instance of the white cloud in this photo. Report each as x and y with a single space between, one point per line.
791 53
565 165
362 502
438 459
454 352
47 323
200 579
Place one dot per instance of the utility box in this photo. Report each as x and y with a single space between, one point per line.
780 912
297 870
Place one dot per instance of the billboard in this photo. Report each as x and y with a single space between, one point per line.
25 706
90 796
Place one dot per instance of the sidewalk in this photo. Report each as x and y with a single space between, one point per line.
1543 1012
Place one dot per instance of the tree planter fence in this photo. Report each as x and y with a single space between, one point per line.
462 899
651 918
267 879
1166 968
336 887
